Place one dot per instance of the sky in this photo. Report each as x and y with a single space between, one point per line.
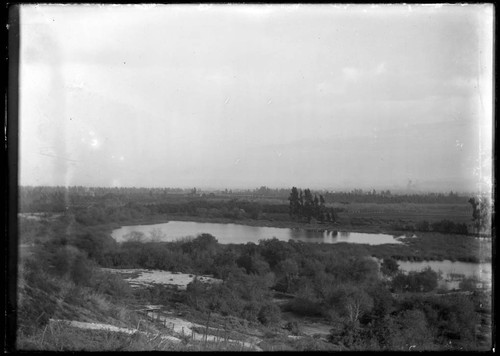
240 96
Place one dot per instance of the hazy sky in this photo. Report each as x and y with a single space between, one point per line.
230 96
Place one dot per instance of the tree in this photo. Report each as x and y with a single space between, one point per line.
225 262
322 213
427 280
289 269
316 207
308 205
358 303
480 213
415 331
423 281
382 300
196 294
389 267
301 203
294 208
274 251
81 271
269 314
351 301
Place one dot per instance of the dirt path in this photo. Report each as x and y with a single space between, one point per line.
178 326
186 329
112 328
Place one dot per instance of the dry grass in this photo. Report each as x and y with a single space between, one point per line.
57 336
60 337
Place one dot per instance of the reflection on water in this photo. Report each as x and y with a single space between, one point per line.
240 234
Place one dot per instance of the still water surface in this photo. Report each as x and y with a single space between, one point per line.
241 234
453 272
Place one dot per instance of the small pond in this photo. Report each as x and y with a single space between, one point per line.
452 273
241 234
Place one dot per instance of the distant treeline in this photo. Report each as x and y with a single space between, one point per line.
443 226
386 197
57 199
232 209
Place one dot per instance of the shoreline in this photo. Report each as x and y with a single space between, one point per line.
484 256
263 223
429 246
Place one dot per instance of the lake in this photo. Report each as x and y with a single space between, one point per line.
241 234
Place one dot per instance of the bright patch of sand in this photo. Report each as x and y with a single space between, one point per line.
144 277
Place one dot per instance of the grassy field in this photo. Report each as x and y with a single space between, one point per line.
412 211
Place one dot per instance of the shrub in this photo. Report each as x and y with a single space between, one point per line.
469 284
423 281
81 271
112 285
293 327
389 267
422 226
36 302
269 314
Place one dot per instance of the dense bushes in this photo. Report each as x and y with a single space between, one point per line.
423 281
449 227
417 322
57 277
452 317
242 295
443 226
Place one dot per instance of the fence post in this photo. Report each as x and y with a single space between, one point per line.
206 328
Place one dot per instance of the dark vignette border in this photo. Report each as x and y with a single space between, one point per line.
11 125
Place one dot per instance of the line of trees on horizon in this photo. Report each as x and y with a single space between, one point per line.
58 199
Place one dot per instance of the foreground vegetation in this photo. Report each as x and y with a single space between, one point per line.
337 284
268 291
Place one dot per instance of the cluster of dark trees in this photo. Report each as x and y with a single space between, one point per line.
303 205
